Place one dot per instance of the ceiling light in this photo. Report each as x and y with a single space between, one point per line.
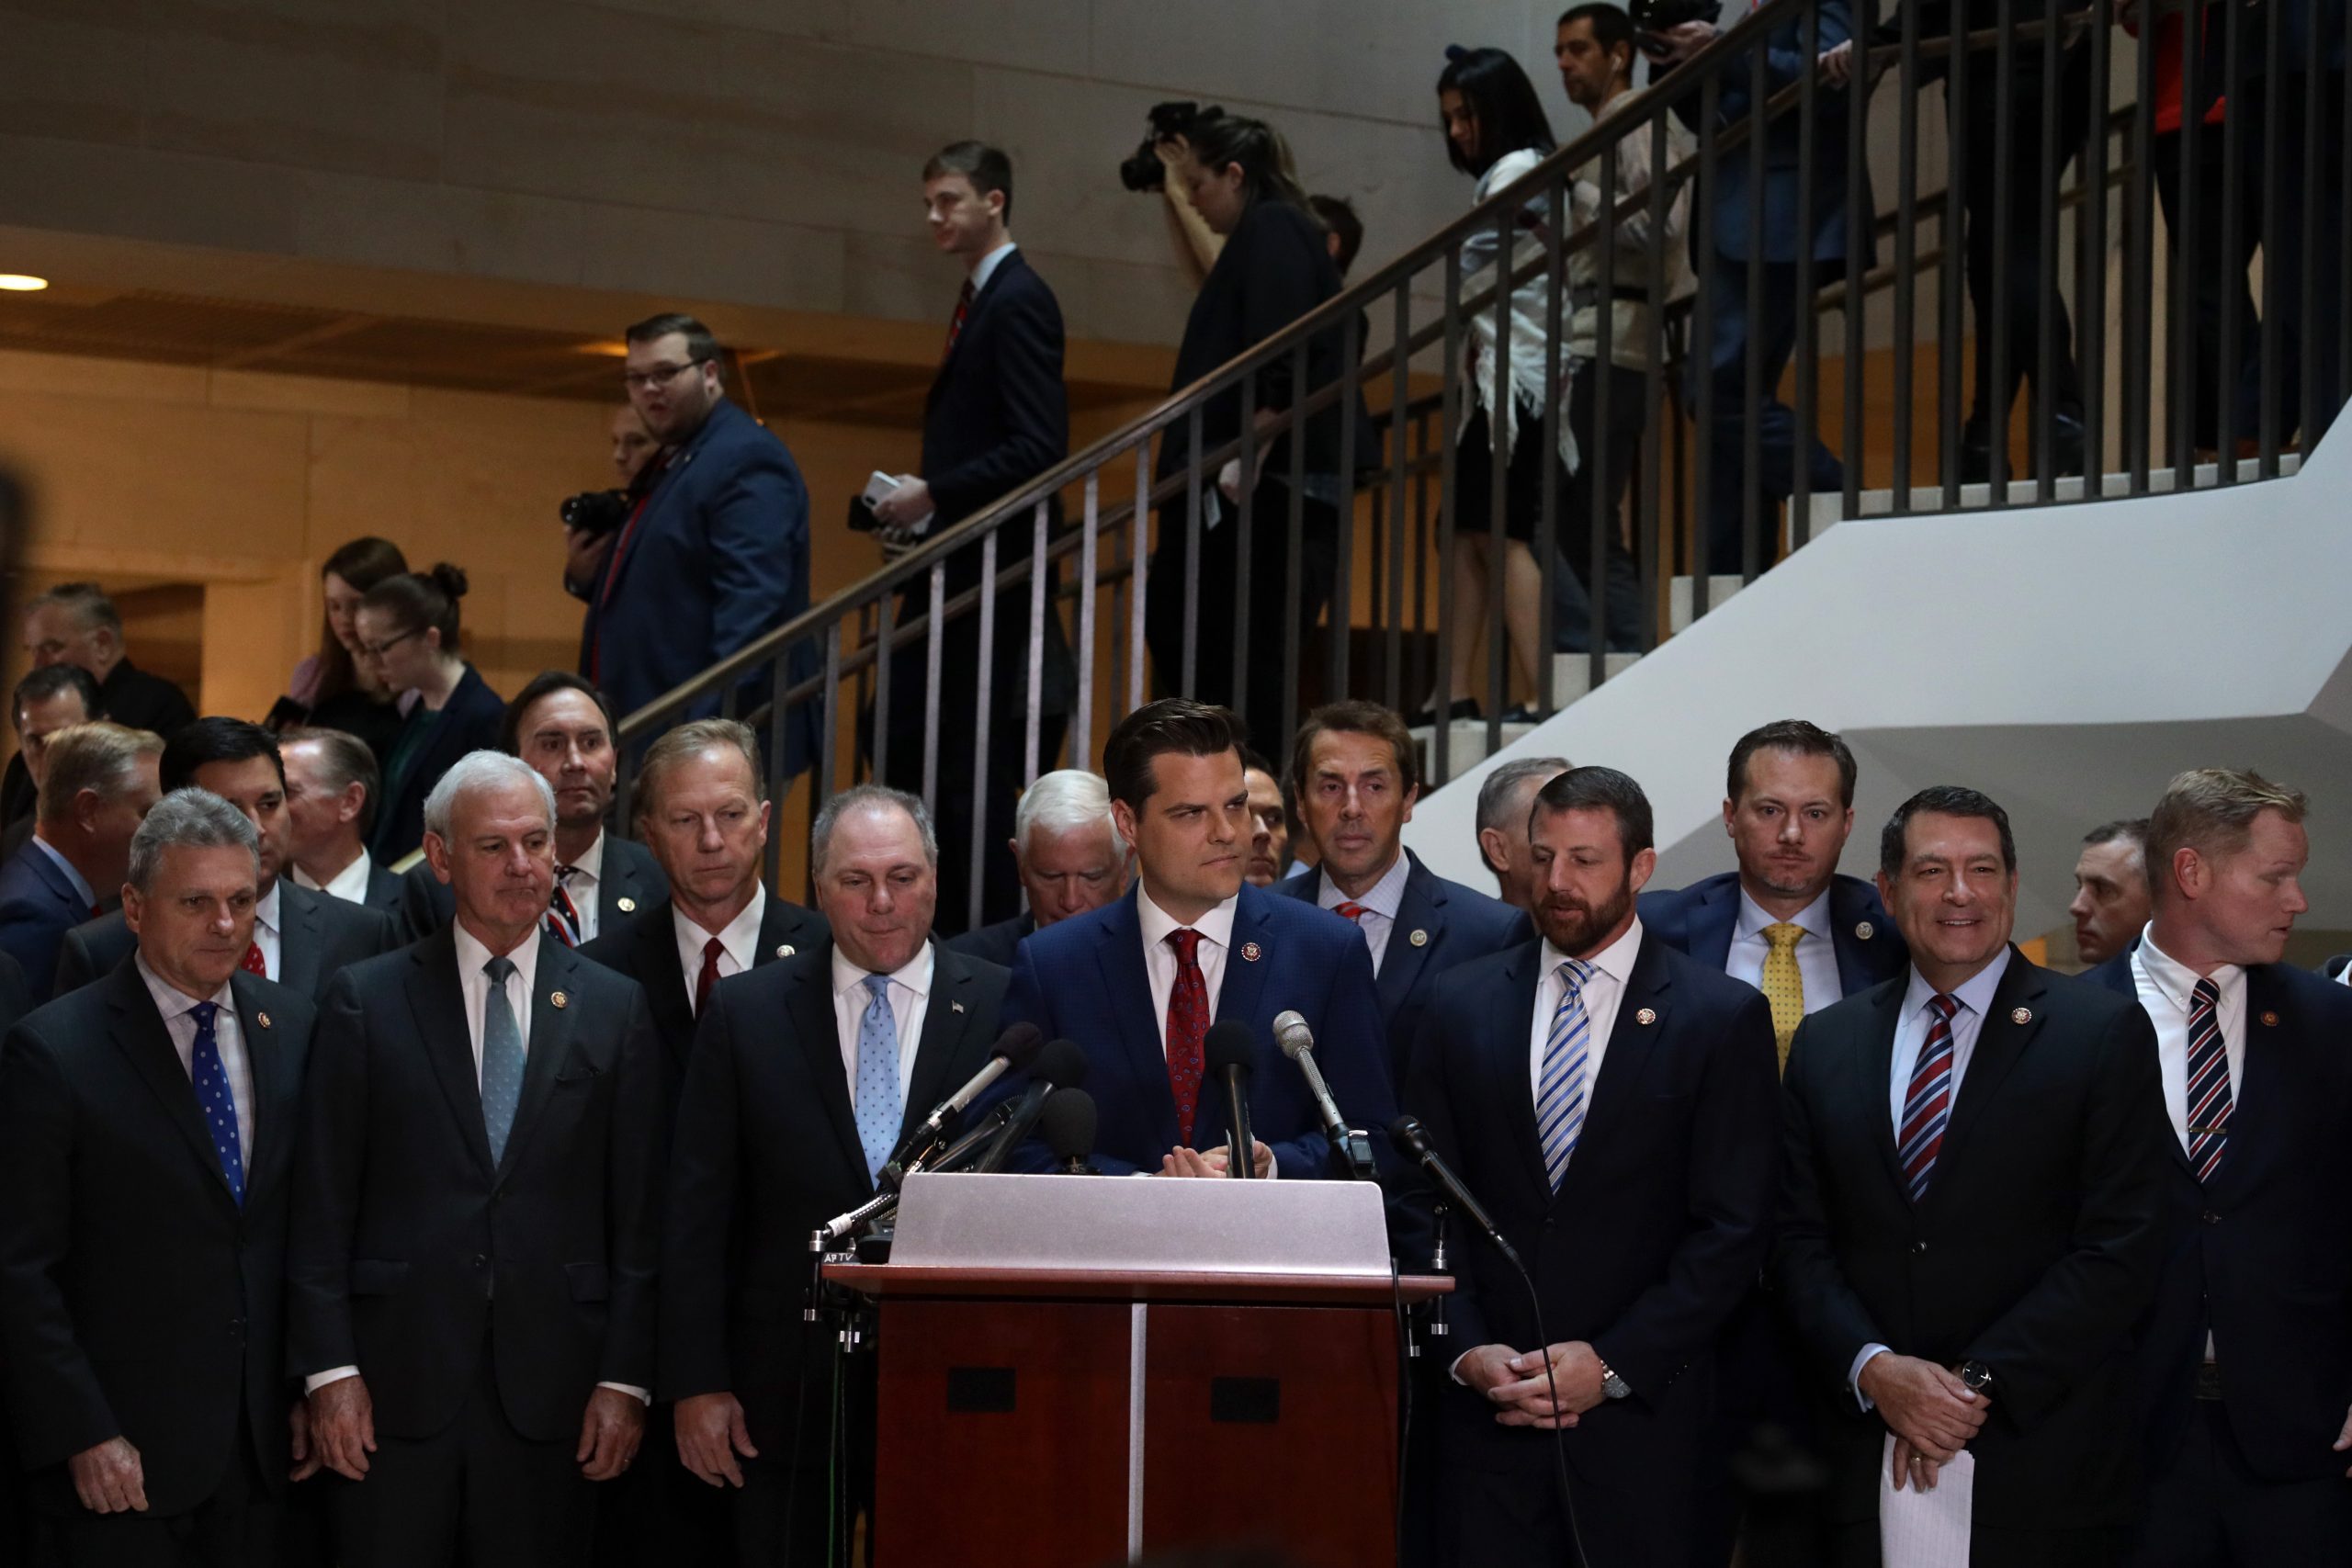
22 283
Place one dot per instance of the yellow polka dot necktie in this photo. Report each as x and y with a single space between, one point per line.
1783 984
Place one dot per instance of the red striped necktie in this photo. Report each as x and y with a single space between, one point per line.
956 327
1927 1109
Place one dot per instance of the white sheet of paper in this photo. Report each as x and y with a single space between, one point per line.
1926 1529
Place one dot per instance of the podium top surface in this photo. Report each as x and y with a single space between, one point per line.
887 1279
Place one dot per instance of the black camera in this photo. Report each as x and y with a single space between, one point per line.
1145 171
596 511
1658 16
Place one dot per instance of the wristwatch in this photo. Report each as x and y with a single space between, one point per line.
1612 1385
1976 1375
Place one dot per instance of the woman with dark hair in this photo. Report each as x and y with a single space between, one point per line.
1274 268
334 688
408 633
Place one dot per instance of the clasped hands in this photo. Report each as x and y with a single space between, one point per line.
1180 1161
1515 1380
1932 1414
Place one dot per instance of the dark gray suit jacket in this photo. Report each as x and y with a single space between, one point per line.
319 935
629 880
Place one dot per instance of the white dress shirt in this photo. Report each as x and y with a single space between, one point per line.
580 886
1911 1026
910 1001
1816 950
985 268
350 884
1160 959
2163 984
738 943
1381 901
179 1020
1602 992
268 928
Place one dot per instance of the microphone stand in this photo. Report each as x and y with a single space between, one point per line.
1437 1327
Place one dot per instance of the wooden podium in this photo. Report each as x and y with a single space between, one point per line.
1121 1378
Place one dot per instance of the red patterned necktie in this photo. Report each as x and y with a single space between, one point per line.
710 976
563 915
254 964
1188 1026
1349 909
956 327
1926 1108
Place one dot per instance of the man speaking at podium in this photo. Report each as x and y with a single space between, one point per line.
1138 983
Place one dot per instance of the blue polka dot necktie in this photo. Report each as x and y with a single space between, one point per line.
502 1059
878 1111
213 1097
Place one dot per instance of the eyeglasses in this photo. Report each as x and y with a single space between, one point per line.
660 375
377 650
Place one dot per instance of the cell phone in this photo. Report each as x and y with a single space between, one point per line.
1650 41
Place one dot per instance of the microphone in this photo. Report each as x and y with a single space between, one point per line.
1060 1065
1412 1141
1068 1126
1297 1043
1015 1049
1230 1052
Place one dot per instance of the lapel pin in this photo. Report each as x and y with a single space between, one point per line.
1420 939
784 950
1647 1015
2269 1021
1864 930
558 999
1249 951
263 1019
627 906
955 1007
2021 1015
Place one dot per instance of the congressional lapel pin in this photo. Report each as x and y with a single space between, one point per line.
1420 939
263 1019
626 905
558 999
2269 1021
785 951
2021 1015
1647 1015
955 1007
1249 951
1864 930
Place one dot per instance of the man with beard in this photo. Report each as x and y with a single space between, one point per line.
1610 1101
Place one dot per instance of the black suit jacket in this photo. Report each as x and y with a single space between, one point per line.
2263 1256
997 943
644 946
469 721
409 1244
319 936
629 880
1440 924
767 1150
137 1299
1700 918
2036 1247
136 697
1658 1227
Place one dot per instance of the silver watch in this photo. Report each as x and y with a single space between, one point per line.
1612 1385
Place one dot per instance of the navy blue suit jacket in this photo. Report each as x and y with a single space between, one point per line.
1659 1226
2263 1255
1439 925
39 904
1083 979
718 557
1698 919
469 721
1784 63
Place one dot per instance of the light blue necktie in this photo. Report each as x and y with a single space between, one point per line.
502 1059
1560 1097
213 1098
878 1111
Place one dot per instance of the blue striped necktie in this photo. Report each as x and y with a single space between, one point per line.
1560 1096
2208 1081
1927 1104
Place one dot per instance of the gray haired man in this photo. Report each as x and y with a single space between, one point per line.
1069 855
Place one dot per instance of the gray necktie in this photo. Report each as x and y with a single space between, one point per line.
502 1059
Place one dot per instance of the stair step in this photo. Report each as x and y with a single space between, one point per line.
1929 499
1572 673
1681 593
1467 745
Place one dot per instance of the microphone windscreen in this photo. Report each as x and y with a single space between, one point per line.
1019 1046
1061 1063
1410 1138
1229 1046
1066 1124
1293 1035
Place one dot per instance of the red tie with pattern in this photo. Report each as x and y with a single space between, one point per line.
1926 1105
956 327
1188 1026
253 965
1349 911
710 976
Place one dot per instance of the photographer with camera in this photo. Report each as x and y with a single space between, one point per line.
593 518
1669 32
1274 268
1159 163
